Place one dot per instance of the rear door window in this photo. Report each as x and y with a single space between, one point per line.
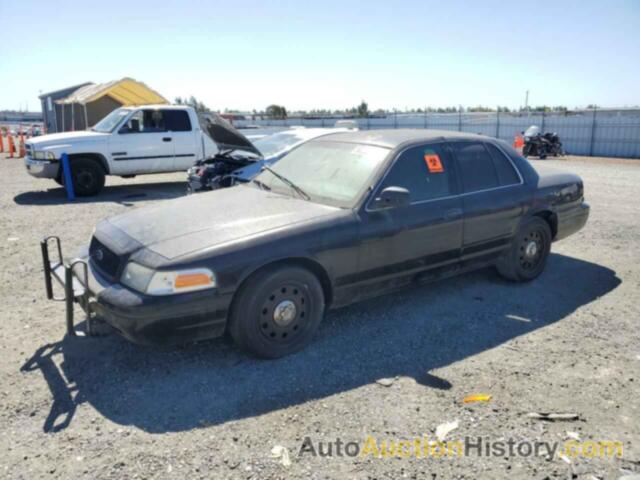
477 169
177 120
426 171
507 174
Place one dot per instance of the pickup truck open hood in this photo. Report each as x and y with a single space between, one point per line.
225 135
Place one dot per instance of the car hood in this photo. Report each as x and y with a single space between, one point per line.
66 137
225 135
189 224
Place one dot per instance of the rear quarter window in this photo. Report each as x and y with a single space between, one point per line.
177 120
507 174
477 168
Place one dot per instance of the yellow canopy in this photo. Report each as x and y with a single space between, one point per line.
126 91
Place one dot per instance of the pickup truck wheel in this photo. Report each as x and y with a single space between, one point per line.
529 251
277 312
88 177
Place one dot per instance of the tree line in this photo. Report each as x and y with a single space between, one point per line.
279 112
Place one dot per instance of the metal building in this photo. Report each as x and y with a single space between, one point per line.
49 106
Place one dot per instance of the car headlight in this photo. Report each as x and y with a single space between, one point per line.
51 156
39 155
153 282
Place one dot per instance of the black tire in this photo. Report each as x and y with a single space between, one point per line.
526 258
542 153
526 150
277 311
88 177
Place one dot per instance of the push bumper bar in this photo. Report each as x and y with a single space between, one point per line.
75 288
143 319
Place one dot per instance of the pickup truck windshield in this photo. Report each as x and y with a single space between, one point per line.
333 173
111 121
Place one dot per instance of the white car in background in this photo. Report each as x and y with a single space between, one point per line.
241 164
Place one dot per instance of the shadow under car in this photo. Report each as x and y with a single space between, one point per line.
407 333
124 194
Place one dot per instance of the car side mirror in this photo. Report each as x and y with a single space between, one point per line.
392 197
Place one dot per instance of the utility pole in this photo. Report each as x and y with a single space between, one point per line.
526 101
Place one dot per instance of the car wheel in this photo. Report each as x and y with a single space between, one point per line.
529 251
277 311
88 177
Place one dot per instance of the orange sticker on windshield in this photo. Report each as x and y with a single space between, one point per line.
433 163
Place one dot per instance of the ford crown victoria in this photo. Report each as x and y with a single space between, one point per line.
341 218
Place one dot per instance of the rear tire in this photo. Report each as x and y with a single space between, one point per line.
527 257
88 177
277 311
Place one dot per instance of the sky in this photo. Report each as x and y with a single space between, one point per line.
328 54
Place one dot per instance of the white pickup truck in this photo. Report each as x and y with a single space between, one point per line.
129 141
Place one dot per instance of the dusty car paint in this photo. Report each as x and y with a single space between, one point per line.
356 253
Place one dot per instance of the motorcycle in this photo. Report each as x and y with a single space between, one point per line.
541 145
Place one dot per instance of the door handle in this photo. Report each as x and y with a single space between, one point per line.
166 139
452 214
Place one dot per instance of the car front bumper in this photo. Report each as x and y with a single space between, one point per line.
41 168
195 184
142 319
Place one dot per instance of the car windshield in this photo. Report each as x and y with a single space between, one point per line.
111 121
272 145
329 172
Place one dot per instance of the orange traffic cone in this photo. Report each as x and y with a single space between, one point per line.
518 141
1 142
12 148
22 151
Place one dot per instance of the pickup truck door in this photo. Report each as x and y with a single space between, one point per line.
185 137
142 145
425 234
494 196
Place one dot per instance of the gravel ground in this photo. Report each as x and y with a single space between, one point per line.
103 408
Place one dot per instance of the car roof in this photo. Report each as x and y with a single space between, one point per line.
392 138
155 106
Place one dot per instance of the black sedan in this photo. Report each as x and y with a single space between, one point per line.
341 218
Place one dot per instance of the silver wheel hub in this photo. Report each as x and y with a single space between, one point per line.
531 249
284 313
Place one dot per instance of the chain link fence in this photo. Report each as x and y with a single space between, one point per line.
599 132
